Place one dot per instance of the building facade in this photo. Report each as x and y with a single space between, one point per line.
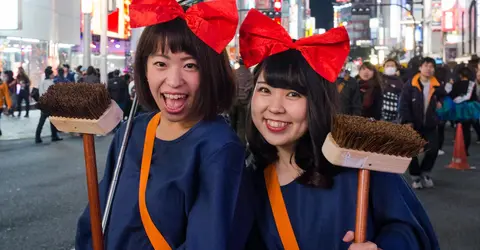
35 34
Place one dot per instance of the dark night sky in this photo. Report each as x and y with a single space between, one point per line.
322 10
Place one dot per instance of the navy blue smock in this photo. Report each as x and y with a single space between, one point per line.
197 192
321 217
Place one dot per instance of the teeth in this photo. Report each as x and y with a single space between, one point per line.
276 124
175 97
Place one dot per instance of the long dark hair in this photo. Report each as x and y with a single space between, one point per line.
9 75
289 70
22 76
376 78
91 71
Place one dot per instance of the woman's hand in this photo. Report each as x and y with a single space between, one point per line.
349 237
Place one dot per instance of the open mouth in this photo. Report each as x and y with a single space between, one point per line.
174 103
276 126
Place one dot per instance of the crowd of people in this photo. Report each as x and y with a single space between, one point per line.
420 95
17 91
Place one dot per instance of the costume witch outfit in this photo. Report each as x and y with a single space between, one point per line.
188 193
296 216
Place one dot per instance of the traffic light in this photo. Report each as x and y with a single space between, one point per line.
270 14
276 13
278 20
277 5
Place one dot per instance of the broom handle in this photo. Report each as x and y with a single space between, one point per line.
118 166
92 186
362 205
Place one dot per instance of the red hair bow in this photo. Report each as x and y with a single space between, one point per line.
214 22
261 37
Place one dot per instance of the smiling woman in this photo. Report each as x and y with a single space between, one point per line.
186 187
301 200
288 91
173 48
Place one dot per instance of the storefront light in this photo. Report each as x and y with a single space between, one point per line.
11 50
28 40
11 38
115 57
65 46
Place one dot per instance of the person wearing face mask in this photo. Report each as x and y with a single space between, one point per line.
392 88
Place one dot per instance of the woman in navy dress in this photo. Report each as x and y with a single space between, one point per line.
182 184
304 202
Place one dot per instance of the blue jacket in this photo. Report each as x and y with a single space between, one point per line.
412 104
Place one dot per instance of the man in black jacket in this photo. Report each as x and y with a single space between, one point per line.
350 100
118 90
239 111
418 103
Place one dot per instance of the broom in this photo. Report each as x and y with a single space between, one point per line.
87 109
369 145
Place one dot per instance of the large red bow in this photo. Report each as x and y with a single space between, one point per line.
261 37
214 22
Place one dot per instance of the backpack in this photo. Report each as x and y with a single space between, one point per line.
35 94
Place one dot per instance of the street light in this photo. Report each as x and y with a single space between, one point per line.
87 8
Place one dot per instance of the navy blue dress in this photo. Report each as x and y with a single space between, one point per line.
321 217
197 193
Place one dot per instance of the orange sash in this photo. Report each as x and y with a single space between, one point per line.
279 210
154 235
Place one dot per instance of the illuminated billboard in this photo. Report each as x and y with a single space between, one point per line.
449 15
118 21
10 18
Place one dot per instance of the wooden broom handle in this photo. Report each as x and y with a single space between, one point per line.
362 205
92 186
